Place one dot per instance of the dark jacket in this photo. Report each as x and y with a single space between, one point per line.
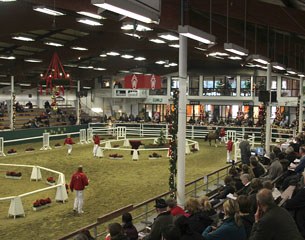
119 237
276 223
258 170
199 221
192 236
130 231
162 220
228 230
247 221
245 152
225 191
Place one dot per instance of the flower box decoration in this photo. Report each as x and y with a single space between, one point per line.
51 181
41 204
13 175
194 149
57 145
29 149
116 156
154 156
116 146
12 151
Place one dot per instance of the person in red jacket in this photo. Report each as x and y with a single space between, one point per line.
69 142
78 183
222 135
96 141
229 150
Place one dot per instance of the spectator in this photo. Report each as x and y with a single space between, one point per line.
129 229
29 105
246 217
236 178
186 232
231 228
174 208
255 186
246 181
275 168
171 232
198 220
163 219
207 209
245 150
227 188
115 232
84 235
272 221
47 105
78 183
257 168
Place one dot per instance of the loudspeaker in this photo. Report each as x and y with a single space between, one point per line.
263 96
273 96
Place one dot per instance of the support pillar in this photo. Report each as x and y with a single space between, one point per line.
12 112
268 110
78 104
300 125
182 120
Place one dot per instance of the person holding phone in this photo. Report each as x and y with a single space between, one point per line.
272 221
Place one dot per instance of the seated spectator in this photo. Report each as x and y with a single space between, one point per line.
207 209
198 220
29 105
272 221
47 105
129 229
257 168
171 232
245 169
275 169
246 181
231 228
255 186
275 192
227 188
19 107
84 235
163 219
186 232
236 178
115 232
174 208
246 217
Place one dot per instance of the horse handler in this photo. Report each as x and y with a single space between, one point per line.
78 183
229 149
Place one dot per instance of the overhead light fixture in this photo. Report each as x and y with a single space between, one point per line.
70 65
168 36
166 66
54 44
156 40
99 69
133 35
24 84
217 54
7 57
48 11
8 0
300 74
196 34
128 9
291 71
201 49
278 66
103 55
85 87
32 60
127 56
5 83
136 27
92 15
22 38
113 53
79 48
174 45
88 21
173 64
233 48
161 62
140 58
258 58
235 58
85 67
124 71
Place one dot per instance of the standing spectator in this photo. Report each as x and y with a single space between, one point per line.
96 141
129 229
231 228
69 142
163 219
245 150
47 105
229 149
272 221
78 183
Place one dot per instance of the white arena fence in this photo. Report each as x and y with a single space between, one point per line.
16 207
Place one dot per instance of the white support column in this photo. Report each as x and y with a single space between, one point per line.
268 110
300 127
182 120
2 147
36 174
46 142
78 104
89 135
16 208
82 136
12 104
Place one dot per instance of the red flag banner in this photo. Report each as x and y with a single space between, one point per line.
141 81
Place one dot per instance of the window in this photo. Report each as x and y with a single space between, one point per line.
245 86
194 85
219 86
290 87
104 82
162 91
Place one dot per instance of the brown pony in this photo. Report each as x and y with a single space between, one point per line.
212 135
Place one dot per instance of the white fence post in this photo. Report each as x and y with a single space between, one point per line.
231 134
89 135
236 151
36 173
16 207
120 132
61 192
82 136
135 155
107 144
2 147
46 142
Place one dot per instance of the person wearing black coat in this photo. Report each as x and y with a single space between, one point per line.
129 229
246 217
182 224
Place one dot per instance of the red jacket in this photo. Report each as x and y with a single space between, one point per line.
96 140
178 211
79 181
68 141
229 146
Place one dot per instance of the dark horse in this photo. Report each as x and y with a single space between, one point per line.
212 135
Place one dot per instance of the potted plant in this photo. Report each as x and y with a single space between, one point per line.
51 181
57 145
29 149
41 204
13 175
12 151
154 155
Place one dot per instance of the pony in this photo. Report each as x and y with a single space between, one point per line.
212 135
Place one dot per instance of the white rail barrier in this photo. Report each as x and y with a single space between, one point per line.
2 147
82 136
